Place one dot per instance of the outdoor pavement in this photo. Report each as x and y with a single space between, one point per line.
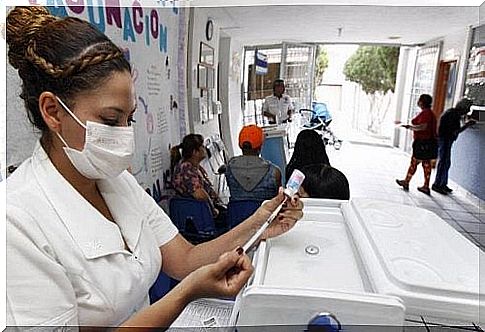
372 170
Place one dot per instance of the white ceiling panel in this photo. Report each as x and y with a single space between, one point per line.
256 25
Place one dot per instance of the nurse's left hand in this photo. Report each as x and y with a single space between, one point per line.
291 212
224 278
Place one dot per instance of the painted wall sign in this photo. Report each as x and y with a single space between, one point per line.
149 38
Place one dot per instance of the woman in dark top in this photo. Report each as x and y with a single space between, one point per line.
323 181
309 149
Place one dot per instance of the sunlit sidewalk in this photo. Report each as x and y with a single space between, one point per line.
372 170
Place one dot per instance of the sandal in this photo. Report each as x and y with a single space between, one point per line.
403 184
425 190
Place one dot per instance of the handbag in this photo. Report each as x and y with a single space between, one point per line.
425 149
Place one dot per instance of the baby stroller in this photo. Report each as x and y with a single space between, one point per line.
319 119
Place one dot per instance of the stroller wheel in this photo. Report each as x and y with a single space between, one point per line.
337 144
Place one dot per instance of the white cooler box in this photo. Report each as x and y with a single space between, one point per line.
368 263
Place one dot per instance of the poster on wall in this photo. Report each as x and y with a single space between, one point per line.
149 39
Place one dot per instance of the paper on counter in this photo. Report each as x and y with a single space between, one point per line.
205 314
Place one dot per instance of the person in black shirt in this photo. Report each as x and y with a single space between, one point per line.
448 131
309 149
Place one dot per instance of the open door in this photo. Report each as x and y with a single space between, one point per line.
297 69
445 87
424 80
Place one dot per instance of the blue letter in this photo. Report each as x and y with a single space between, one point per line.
56 10
127 27
100 25
163 38
147 32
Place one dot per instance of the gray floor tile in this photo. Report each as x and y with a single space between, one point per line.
441 213
472 227
480 216
479 238
462 215
470 208
429 205
454 224
452 206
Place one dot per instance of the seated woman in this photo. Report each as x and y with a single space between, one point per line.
323 181
189 179
309 149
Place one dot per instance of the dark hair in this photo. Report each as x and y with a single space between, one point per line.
65 56
464 105
426 99
278 81
309 149
190 143
323 181
247 149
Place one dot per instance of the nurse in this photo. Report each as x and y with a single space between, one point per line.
84 240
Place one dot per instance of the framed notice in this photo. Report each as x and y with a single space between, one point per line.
210 78
206 54
202 76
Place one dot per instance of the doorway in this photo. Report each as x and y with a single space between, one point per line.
445 87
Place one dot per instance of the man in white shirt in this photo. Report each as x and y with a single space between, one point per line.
278 107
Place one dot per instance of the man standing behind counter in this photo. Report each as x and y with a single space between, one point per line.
278 107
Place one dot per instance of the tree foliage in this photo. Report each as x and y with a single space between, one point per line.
374 68
321 64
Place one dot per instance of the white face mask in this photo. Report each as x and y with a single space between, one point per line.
107 151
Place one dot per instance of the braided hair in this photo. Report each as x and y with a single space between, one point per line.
65 56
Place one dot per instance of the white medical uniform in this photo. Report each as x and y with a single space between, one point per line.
66 263
279 107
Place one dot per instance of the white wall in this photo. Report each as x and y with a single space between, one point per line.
234 81
455 47
230 56
21 135
198 20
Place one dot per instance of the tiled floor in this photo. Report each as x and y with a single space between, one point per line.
372 170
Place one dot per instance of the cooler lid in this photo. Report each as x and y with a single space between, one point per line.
419 251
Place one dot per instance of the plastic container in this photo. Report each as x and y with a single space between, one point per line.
314 268
367 262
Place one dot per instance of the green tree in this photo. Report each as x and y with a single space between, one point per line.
374 68
321 64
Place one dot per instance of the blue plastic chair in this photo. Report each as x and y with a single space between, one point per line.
240 210
159 288
193 218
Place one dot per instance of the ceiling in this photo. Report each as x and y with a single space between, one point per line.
269 24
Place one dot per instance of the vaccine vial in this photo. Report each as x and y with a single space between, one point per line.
294 183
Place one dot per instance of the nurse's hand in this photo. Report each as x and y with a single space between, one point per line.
291 212
224 278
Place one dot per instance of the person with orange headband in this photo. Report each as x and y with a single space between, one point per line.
249 176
